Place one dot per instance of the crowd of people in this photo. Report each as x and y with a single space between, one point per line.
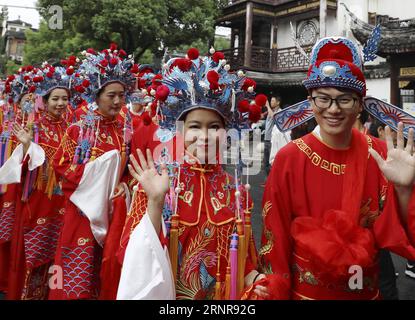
113 185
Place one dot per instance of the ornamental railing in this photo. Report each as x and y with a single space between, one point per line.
268 60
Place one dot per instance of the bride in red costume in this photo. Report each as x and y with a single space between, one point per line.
189 223
90 160
16 95
40 199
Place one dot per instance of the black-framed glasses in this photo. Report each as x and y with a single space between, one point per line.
324 102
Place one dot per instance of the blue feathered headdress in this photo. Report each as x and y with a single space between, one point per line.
203 82
110 65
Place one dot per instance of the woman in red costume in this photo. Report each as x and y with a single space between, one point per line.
90 160
189 218
19 101
39 198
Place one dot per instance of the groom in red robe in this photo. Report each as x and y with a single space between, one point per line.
336 196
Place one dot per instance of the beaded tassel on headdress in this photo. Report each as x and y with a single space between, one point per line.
127 134
31 176
6 143
6 121
233 251
174 232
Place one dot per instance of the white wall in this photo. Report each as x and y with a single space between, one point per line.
402 9
284 39
332 28
379 88
339 24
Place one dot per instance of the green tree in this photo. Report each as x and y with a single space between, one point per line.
222 43
3 58
12 67
142 27
53 45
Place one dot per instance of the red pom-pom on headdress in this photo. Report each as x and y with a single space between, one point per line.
113 61
85 83
183 64
254 113
79 89
71 61
122 53
248 83
261 100
213 78
193 53
217 56
104 63
91 51
113 46
70 71
37 79
162 92
135 68
243 106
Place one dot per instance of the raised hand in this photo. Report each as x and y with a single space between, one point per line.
270 111
399 166
154 184
22 134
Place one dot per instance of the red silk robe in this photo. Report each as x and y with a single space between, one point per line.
310 236
78 252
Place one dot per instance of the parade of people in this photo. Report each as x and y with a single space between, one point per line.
135 171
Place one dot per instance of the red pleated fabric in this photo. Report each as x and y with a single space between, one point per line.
110 267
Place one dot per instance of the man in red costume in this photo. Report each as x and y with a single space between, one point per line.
331 200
